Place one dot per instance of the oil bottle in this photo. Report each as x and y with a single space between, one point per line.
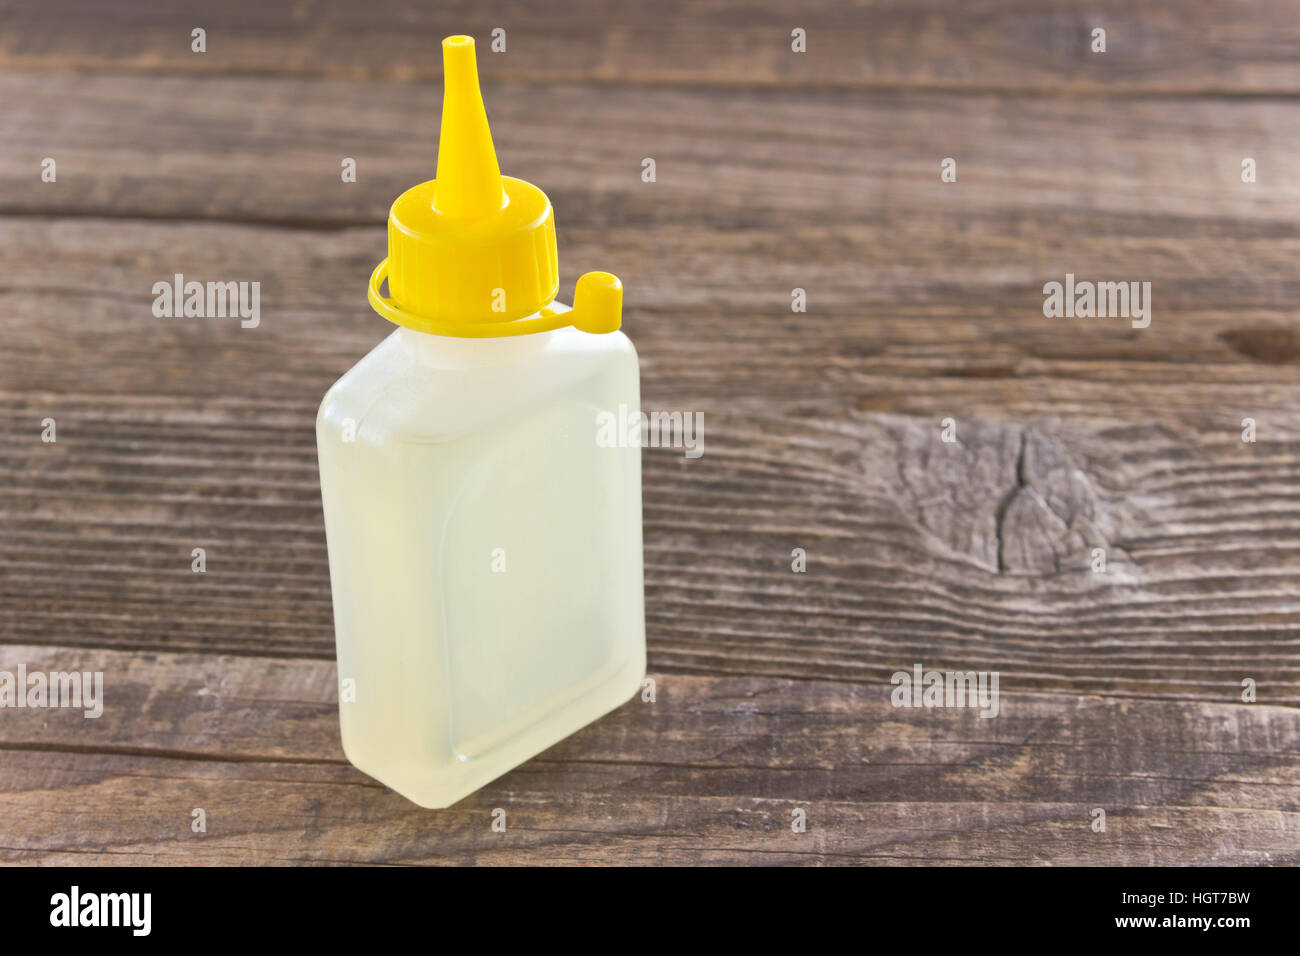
484 549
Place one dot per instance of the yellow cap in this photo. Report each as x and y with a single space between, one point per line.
472 253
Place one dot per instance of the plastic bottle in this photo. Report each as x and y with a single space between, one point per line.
484 549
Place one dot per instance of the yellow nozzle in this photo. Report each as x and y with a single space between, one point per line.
472 253
469 179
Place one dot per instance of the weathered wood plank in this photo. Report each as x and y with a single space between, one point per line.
917 549
710 771
1014 45
868 230
1033 171
903 272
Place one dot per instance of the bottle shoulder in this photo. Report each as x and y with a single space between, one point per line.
414 384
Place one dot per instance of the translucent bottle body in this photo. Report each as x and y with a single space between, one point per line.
484 550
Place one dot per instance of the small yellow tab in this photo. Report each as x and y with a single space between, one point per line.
597 303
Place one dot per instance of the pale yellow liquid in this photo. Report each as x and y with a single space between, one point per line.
463 447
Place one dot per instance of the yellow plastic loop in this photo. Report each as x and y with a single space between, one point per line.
597 308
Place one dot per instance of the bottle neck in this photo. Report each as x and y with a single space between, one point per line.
453 352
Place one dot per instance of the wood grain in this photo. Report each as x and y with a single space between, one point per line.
909 558
1116 168
1233 48
709 772
775 171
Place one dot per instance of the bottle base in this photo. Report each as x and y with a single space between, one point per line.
440 786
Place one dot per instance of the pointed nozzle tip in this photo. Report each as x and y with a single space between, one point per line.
459 67
457 54
468 179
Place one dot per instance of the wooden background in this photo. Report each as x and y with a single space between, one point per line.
775 170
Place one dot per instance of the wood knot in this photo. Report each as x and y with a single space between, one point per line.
1012 498
1270 344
